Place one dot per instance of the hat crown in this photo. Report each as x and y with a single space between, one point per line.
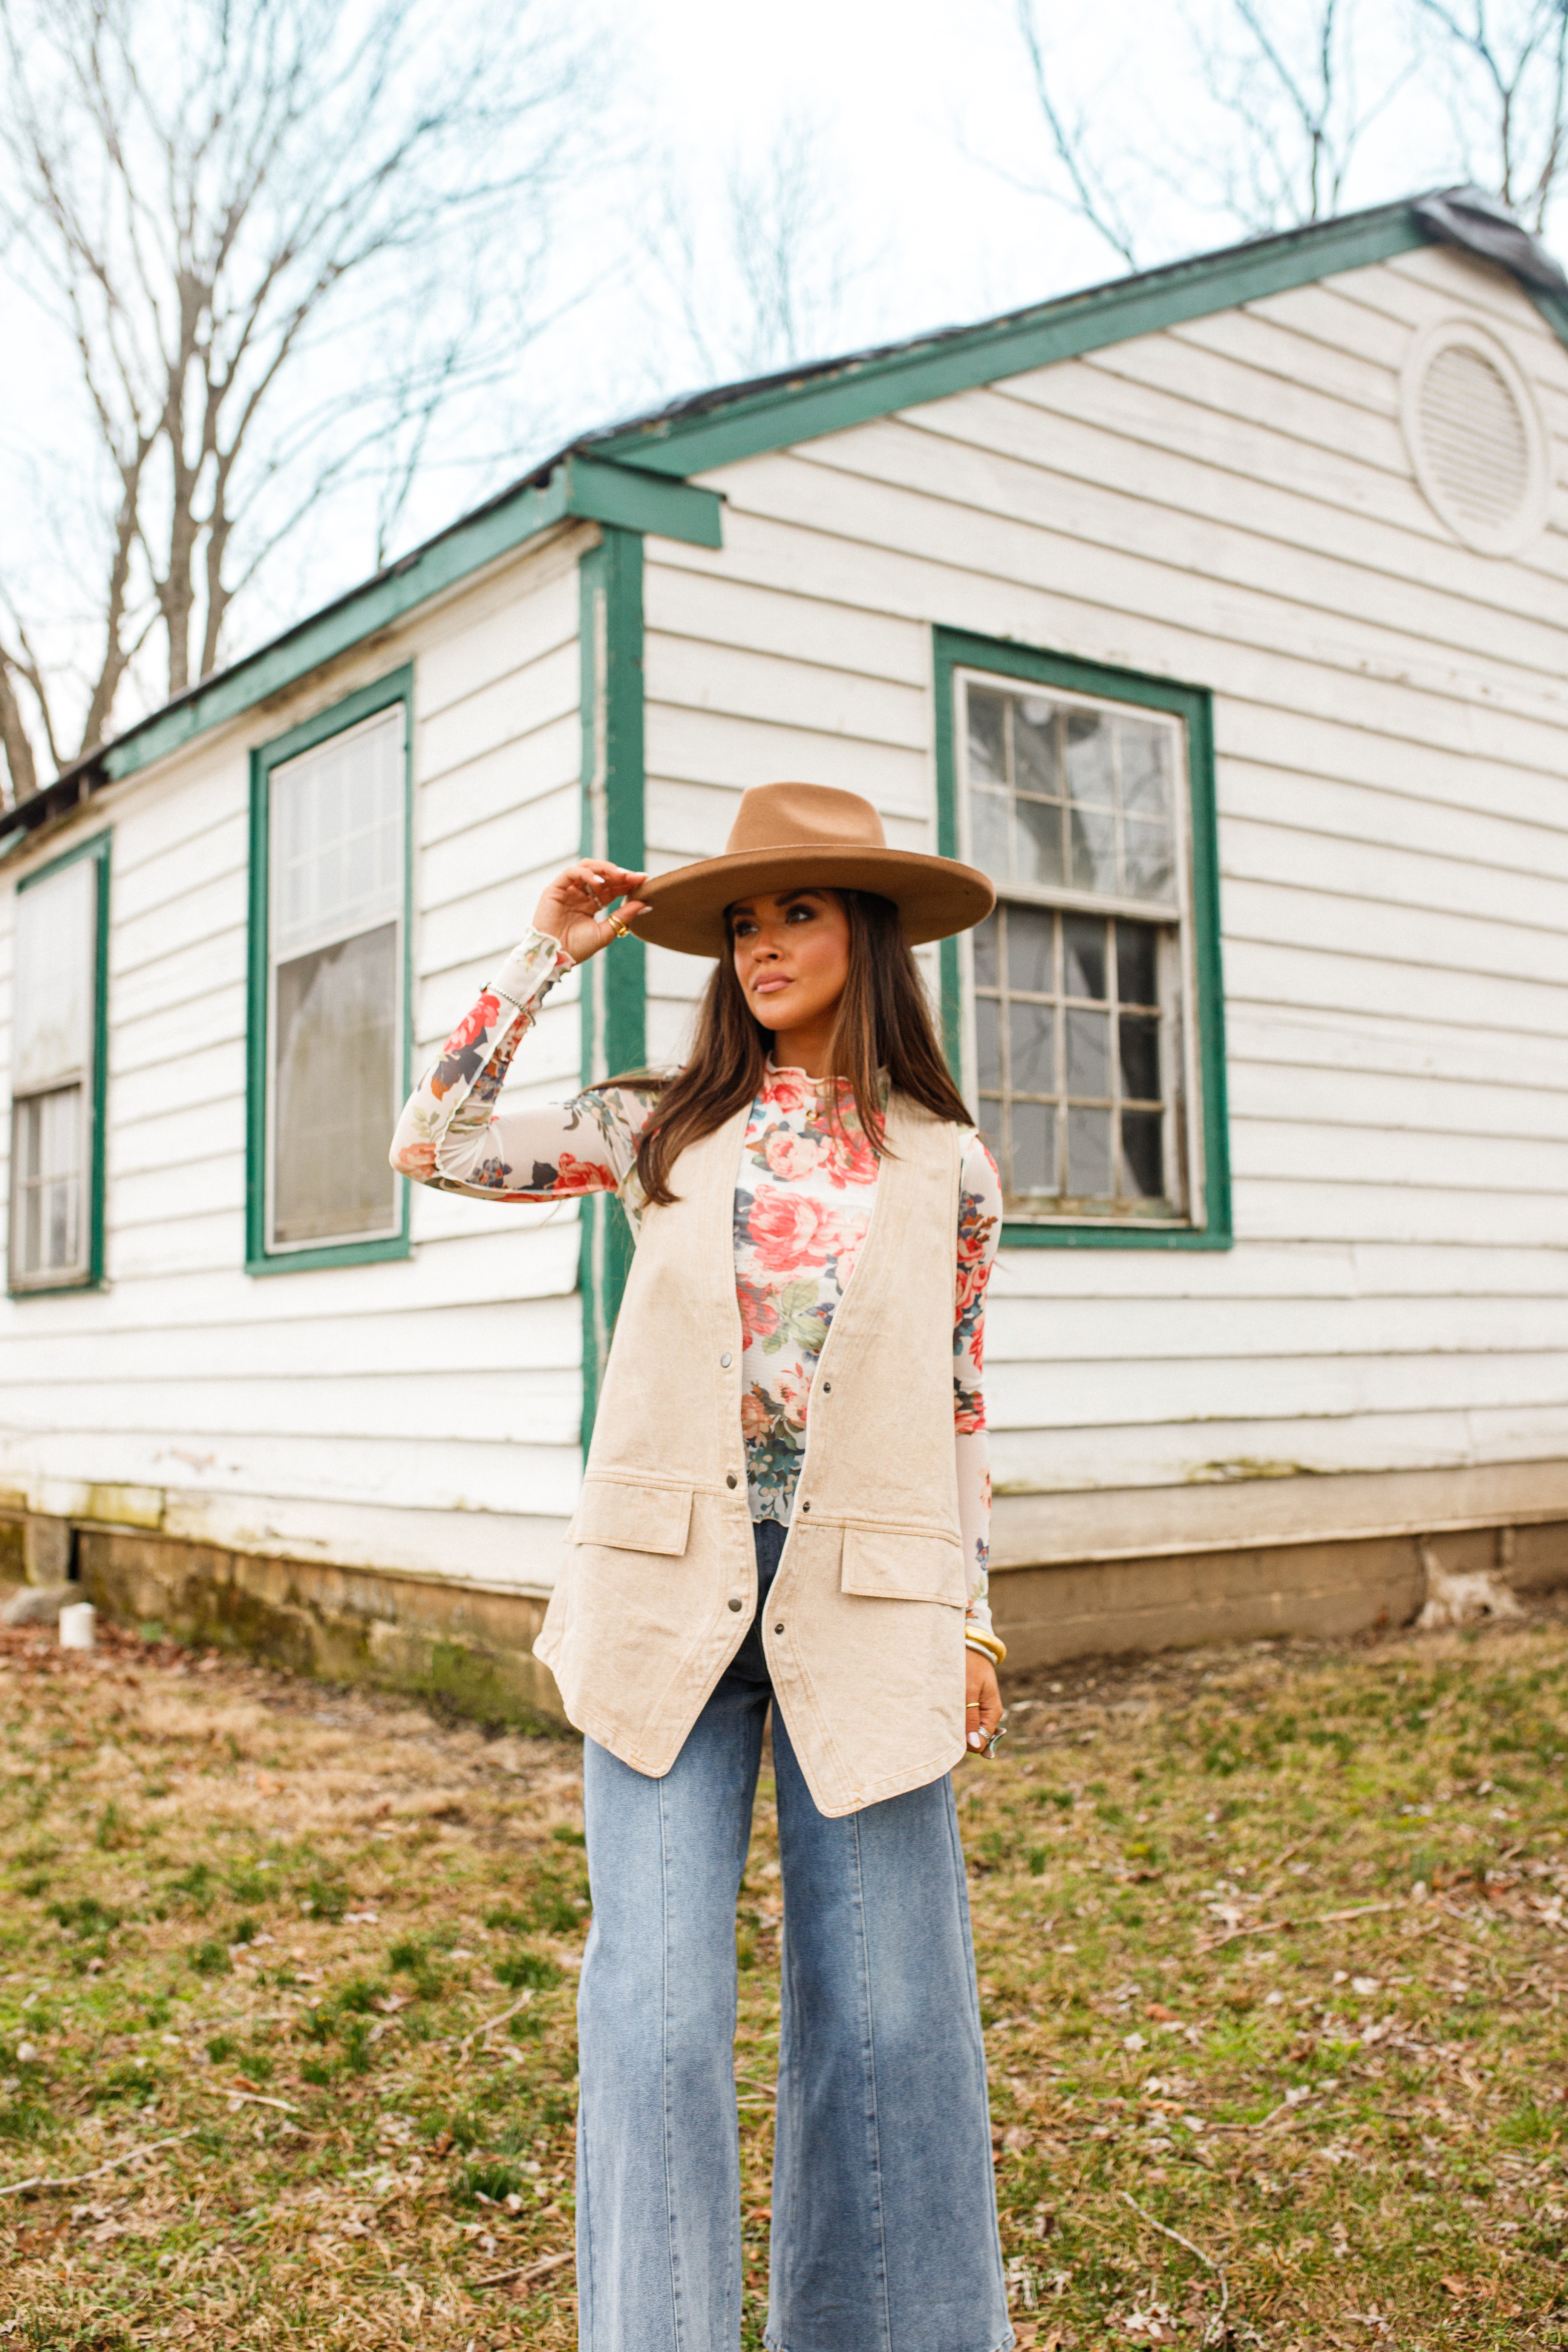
804 816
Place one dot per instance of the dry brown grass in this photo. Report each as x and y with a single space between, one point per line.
1272 1956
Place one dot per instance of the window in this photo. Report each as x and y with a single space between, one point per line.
57 1072
1085 1011
328 1057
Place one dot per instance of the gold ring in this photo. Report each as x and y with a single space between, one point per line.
619 928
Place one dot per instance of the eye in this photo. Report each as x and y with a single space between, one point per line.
801 913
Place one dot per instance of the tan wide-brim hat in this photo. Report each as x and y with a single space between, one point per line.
800 836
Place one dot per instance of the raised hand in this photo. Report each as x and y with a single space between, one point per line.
573 909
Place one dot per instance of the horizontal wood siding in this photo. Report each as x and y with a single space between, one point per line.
1232 505
419 1414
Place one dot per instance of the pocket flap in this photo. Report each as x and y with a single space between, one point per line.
634 1518
899 1564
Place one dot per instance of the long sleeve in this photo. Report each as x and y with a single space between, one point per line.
450 1135
979 1230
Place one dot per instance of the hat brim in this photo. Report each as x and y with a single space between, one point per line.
935 897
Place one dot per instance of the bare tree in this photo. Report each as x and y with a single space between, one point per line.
1507 71
759 274
281 236
1286 77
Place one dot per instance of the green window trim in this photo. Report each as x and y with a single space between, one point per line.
98 848
955 650
396 687
614 985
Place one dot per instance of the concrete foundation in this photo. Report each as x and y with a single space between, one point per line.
470 1646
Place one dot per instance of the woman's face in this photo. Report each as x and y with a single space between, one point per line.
792 956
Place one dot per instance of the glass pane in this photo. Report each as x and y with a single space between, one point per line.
1143 1176
336 822
988 1126
1093 851
1089 1053
1034 746
1038 841
1030 952
1032 1038
985 952
1089 772
56 963
1137 963
988 833
1083 956
1145 768
987 737
50 1217
1147 860
1140 1057
1033 1148
335 1086
987 1042
1089 1154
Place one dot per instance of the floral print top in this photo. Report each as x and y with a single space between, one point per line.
803 1206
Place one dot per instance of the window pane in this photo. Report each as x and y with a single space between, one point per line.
985 952
987 737
1030 952
1083 956
1038 841
1032 1038
1140 1057
1137 963
1033 1148
1145 768
1093 852
988 830
1147 860
1089 770
1034 746
50 1212
1089 1154
1143 1175
56 963
334 1087
1089 1053
989 1126
987 1041
336 824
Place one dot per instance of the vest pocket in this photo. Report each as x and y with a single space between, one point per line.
634 1518
899 1564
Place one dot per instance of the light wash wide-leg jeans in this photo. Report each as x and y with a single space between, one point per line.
884 2210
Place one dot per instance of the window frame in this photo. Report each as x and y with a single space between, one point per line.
1207 1222
91 1277
386 693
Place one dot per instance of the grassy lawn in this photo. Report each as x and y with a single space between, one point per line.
1272 1958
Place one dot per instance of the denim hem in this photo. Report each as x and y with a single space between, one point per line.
1009 2344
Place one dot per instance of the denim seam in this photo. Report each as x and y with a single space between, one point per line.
677 2330
870 2047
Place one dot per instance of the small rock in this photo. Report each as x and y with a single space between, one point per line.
38 1604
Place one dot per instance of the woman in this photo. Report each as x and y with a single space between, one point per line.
785 1500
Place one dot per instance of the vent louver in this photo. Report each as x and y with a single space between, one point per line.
1476 438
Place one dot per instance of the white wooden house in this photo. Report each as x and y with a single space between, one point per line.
1221 611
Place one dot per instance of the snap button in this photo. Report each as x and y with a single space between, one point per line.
828 1388
736 1607
726 1359
731 1480
805 1507
778 1629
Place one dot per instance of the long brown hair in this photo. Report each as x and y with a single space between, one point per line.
883 1024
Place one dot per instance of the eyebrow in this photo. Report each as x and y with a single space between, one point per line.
780 897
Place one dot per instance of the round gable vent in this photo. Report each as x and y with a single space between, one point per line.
1475 437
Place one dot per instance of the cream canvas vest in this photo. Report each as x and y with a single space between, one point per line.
864 1630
